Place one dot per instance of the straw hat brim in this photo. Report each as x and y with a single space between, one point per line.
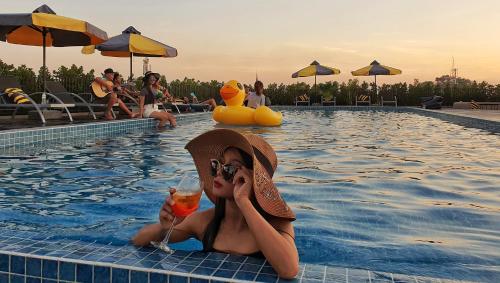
212 144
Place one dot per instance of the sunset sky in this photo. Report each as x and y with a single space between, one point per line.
226 40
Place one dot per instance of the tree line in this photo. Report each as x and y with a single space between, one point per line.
76 80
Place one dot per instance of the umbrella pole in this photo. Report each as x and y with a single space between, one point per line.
376 89
130 78
44 35
315 86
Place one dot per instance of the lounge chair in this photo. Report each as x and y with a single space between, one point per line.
33 98
395 101
60 91
431 102
302 100
329 101
365 99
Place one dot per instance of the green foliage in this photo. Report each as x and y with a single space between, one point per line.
75 79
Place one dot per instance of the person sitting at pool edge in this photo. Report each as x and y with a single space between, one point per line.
107 85
257 98
210 102
249 218
147 102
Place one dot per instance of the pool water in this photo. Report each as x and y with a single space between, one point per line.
387 191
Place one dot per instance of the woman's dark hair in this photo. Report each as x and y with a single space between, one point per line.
220 208
147 85
116 76
258 84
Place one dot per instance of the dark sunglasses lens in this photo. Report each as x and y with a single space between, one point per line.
228 172
213 167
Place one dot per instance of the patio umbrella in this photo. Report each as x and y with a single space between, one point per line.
132 43
315 69
375 69
44 28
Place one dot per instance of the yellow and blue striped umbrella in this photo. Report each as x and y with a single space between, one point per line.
375 69
44 28
315 69
132 43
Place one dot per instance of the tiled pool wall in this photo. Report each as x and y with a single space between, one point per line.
82 132
31 257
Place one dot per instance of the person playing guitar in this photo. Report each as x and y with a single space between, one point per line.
105 89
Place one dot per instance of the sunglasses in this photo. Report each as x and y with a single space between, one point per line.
228 170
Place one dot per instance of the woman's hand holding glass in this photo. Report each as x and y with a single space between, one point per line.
183 201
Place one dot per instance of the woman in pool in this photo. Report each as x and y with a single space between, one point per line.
249 217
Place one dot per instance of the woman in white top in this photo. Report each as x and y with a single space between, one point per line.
257 98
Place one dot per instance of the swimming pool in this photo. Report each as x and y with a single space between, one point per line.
388 191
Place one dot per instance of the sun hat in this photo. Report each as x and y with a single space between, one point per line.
212 144
149 73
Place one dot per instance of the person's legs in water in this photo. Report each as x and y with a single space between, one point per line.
124 107
210 102
111 101
164 117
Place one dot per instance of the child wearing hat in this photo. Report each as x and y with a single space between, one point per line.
249 217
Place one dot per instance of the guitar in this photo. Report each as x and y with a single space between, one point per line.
97 89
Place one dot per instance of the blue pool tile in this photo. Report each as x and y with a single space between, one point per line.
34 266
203 271
243 275
236 258
250 267
4 262
198 280
33 279
146 264
102 274
297 280
4 278
216 256
200 255
230 265
267 278
67 271
224 273
158 278
110 259
49 281
211 263
17 264
84 273
128 261
138 276
49 269
119 275
270 270
178 279
184 268
254 260
16 278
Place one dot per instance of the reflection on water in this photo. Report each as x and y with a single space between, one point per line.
386 191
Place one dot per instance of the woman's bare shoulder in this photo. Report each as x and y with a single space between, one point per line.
198 221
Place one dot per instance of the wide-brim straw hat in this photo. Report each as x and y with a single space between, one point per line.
149 73
212 144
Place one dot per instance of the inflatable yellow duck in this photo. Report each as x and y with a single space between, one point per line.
236 114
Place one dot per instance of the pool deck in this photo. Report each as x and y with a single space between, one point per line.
489 115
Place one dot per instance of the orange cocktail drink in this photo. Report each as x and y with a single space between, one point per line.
185 203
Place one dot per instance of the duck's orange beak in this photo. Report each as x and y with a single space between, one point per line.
227 92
